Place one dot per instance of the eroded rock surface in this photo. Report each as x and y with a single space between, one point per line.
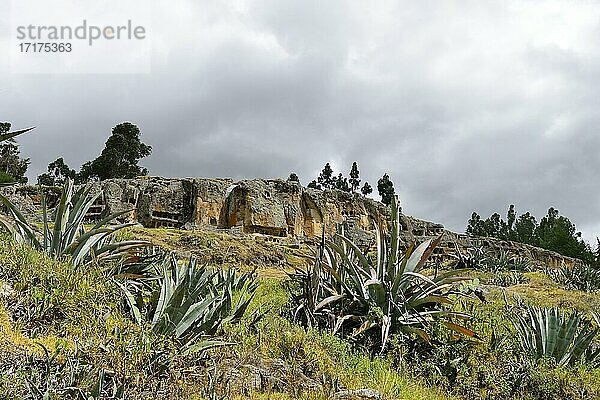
277 209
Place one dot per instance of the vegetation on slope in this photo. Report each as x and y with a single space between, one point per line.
142 325
554 232
63 328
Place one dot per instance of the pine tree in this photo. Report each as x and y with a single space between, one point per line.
385 187
326 179
354 177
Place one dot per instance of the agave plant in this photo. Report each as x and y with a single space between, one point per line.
499 262
508 278
505 261
66 236
359 296
190 301
473 258
578 277
549 333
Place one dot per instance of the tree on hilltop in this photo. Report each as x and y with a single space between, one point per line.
354 177
119 159
385 187
326 179
341 183
58 172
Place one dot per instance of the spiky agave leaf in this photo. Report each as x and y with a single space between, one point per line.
10 135
67 237
548 332
346 288
190 302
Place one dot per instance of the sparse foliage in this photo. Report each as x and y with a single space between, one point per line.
354 177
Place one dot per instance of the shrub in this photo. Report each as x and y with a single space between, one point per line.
369 299
549 333
579 277
190 302
67 237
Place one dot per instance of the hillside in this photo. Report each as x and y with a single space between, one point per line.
63 328
242 308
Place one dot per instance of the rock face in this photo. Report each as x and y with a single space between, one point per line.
276 208
281 210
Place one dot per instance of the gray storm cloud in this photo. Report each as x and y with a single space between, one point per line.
467 105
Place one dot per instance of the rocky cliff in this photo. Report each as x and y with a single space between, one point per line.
280 210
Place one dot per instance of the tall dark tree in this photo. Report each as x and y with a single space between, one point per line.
57 173
12 166
326 178
558 233
366 189
385 187
119 159
354 177
495 226
476 226
511 217
525 227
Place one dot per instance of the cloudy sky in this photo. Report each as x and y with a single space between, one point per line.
468 105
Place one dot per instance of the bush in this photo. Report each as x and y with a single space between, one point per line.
370 299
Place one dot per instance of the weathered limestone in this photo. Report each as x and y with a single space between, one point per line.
273 208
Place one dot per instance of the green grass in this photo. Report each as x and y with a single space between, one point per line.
57 322
77 317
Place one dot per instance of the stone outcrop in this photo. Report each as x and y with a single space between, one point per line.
280 210
276 208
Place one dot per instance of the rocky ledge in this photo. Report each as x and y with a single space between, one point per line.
273 208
